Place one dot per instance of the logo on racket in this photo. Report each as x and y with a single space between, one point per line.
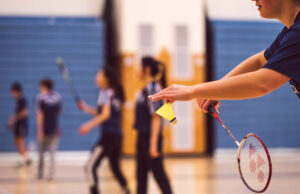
256 163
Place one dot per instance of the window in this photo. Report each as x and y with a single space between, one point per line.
182 68
145 41
183 131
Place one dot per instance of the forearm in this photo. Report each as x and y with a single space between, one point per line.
21 115
40 122
155 130
249 65
96 121
245 86
90 110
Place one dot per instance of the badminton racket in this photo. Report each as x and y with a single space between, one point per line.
253 158
65 73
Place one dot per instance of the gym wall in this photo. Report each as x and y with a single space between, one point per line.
31 37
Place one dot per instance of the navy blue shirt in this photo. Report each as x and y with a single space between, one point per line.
21 105
283 55
145 108
50 105
113 123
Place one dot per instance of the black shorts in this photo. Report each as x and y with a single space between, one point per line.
20 131
110 142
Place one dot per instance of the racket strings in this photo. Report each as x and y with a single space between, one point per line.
254 163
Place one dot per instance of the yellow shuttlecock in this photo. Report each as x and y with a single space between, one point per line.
166 111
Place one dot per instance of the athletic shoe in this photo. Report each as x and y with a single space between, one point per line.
39 176
19 164
125 190
28 162
94 190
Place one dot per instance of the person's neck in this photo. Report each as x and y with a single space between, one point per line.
288 15
19 96
149 80
104 87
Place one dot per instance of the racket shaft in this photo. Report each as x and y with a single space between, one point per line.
228 131
213 112
66 76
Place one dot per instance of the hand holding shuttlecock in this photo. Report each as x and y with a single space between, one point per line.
166 111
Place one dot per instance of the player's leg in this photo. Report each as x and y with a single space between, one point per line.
160 175
18 144
42 149
21 160
21 144
114 161
53 142
96 156
158 170
142 164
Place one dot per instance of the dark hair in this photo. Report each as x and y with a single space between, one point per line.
16 86
157 69
47 83
114 82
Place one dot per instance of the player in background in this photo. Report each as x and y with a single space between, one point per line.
149 127
18 123
258 75
48 107
108 115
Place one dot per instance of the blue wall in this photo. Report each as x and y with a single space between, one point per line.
275 117
28 48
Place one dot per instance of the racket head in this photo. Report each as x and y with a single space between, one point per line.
254 163
63 69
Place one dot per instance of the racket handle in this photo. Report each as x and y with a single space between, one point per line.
211 110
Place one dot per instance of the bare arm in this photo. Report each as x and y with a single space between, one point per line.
40 123
97 120
18 116
244 86
86 108
155 130
21 114
251 64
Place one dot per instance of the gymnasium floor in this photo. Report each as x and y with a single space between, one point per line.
217 175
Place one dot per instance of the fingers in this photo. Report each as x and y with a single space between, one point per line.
218 105
162 96
204 104
165 94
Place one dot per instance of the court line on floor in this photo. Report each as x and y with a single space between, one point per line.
212 176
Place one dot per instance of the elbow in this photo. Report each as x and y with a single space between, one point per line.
264 88
106 117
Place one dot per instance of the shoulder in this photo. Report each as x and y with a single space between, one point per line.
40 97
57 95
107 92
153 87
292 36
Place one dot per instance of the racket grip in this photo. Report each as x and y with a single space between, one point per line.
211 110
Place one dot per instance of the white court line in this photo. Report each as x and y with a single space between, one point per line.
280 154
221 155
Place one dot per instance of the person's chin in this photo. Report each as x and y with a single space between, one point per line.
266 15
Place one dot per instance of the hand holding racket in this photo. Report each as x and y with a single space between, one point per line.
254 162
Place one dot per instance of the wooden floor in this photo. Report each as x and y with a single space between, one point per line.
217 175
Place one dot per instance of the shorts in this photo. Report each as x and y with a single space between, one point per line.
20 131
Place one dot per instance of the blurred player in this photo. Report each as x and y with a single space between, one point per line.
259 74
108 115
19 123
149 127
48 105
